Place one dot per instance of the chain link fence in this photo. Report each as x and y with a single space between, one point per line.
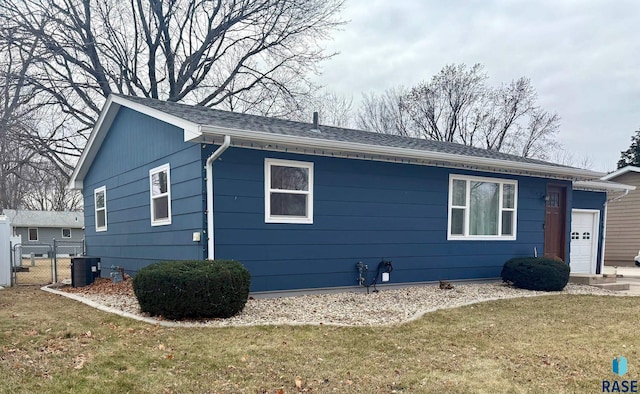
42 264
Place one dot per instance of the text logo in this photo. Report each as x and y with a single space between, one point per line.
619 366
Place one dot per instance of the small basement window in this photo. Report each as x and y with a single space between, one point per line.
160 186
482 208
33 234
66 233
100 201
288 191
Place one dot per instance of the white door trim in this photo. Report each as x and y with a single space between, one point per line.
596 236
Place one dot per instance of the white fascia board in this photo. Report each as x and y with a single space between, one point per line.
602 185
619 172
407 153
191 131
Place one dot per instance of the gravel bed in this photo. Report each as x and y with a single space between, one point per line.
351 308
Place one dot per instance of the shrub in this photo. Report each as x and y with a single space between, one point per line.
192 289
536 273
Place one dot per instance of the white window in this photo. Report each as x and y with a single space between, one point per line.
288 191
160 194
100 201
33 234
482 208
66 233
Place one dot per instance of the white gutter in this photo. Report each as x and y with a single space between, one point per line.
209 167
408 153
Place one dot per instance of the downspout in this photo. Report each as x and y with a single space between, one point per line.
209 167
604 227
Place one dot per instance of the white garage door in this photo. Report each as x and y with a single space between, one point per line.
584 241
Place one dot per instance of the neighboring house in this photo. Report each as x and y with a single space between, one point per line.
623 220
37 230
301 204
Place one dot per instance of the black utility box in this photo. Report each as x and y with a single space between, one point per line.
84 270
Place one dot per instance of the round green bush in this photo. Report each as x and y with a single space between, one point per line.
536 273
192 289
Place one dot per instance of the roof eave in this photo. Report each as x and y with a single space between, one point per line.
599 185
271 139
620 171
191 131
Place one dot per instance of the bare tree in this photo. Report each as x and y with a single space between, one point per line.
385 112
334 109
48 191
243 55
458 106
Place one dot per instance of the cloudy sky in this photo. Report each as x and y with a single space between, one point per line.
583 57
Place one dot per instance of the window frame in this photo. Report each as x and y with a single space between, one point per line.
29 234
102 189
465 236
268 218
164 221
62 232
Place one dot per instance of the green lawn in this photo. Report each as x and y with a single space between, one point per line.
558 343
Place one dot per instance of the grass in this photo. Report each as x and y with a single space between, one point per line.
41 272
558 343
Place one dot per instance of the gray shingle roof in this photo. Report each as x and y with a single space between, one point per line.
213 117
19 218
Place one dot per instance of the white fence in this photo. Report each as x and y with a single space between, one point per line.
5 253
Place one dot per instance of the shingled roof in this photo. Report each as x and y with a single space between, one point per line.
206 125
236 120
22 218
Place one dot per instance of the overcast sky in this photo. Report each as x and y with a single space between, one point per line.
583 57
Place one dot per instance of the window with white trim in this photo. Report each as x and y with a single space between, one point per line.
160 195
288 191
482 208
33 234
66 233
100 203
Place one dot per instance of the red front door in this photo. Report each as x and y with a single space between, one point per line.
555 222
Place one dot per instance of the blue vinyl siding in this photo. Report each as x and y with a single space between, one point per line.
363 211
592 200
135 144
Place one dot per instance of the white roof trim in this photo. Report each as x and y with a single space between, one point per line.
194 132
372 150
602 185
191 131
619 172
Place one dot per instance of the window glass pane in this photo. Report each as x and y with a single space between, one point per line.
159 183
507 223
289 178
289 204
66 233
100 219
161 208
457 221
483 213
100 200
459 191
33 234
509 196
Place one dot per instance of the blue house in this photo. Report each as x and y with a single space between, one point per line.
300 205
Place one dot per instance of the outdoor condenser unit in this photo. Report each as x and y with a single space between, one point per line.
84 270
